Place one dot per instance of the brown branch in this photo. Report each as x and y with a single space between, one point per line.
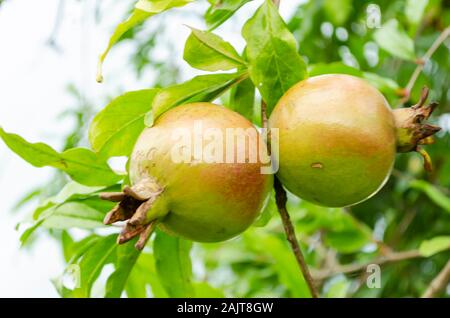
351 268
281 199
439 283
421 64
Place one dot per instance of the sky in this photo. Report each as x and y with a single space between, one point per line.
33 93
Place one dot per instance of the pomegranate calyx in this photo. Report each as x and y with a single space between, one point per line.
411 129
135 206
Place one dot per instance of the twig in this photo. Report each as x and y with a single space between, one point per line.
351 268
421 64
281 199
439 283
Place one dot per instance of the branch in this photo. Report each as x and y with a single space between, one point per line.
351 268
281 199
439 283
421 64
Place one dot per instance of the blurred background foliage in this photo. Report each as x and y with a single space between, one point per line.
412 210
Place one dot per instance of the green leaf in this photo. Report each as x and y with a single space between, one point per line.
173 264
221 10
143 10
73 250
74 206
242 98
338 288
205 290
72 191
74 215
72 253
266 215
414 10
341 230
338 11
209 52
127 255
433 193
392 38
332 68
435 245
275 64
384 84
203 88
144 275
283 261
28 232
92 263
81 164
114 130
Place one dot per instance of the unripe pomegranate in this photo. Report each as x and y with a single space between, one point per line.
338 138
186 193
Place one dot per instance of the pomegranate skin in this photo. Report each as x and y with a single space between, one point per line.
202 201
337 140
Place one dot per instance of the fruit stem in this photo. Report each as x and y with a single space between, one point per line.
281 199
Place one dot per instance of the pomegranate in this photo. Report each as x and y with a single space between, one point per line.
196 197
338 138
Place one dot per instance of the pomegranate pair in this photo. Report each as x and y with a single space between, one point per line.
337 139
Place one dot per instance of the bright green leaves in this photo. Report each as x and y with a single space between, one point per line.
81 164
337 11
242 99
338 287
209 52
433 193
126 258
341 231
167 272
283 261
143 10
414 10
73 215
76 206
92 262
144 277
173 265
88 261
115 129
203 88
393 39
274 63
222 10
435 245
